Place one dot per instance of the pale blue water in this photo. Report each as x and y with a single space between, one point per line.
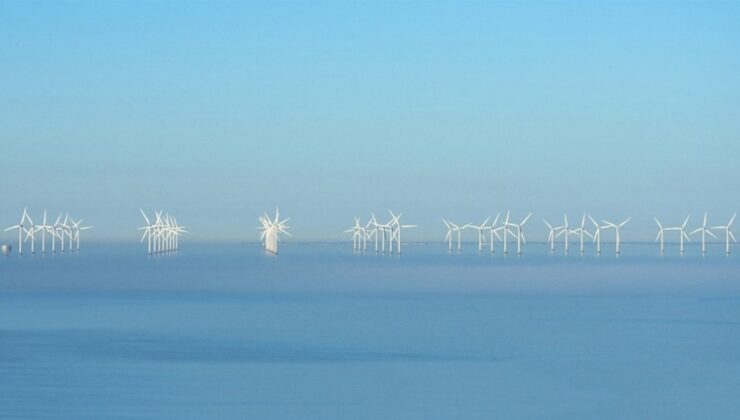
319 333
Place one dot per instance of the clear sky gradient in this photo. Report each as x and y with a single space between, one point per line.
219 111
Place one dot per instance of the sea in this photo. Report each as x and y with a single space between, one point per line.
225 331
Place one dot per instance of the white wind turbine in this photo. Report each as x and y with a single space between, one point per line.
505 228
396 227
54 231
448 236
45 227
178 231
520 233
77 229
581 232
681 233
21 230
271 229
62 230
372 230
453 227
551 235
481 237
564 230
385 233
704 232
69 230
617 227
31 233
358 234
148 232
493 230
171 232
661 235
597 234
367 234
728 233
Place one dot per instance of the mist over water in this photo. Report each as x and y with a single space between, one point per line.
219 331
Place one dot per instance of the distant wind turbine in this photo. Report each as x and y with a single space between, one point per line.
728 233
704 232
617 227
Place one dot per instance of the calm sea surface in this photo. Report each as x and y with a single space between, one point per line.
219 331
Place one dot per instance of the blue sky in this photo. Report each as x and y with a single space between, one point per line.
218 111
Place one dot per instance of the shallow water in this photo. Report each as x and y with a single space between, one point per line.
226 331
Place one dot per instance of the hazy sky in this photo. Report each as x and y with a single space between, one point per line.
218 111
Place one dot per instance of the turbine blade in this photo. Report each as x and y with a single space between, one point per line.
525 219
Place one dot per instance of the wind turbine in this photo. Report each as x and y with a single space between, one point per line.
356 232
54 230
374 231
31 233
617 227
581 231
564 230
704 232
506 230
271 230
159 231
69 231
455 228
681 233
21 230
79 229
396 227
448 236
481 237
385 232
728 233
43 228
597 234
178 230
550 236
148 229
61 229
661 235
520 234
493 230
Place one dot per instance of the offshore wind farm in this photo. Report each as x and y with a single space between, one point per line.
369 210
